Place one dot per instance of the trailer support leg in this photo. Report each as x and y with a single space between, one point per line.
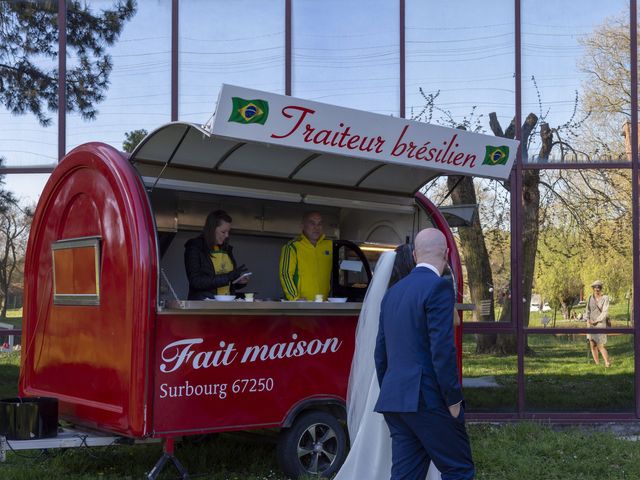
3 448
167 456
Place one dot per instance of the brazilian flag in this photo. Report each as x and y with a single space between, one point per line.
249 111
496 155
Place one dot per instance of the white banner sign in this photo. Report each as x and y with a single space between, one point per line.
257 116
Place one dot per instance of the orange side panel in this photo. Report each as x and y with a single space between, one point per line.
75 271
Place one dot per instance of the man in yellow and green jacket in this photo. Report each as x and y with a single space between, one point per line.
306 262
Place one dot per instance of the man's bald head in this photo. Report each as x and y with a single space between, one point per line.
312 227
430 246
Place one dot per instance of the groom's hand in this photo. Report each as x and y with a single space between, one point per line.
454 410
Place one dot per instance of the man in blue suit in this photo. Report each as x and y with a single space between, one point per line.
420 394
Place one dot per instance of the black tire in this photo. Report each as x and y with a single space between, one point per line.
316 444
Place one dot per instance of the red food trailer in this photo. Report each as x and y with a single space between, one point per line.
107 329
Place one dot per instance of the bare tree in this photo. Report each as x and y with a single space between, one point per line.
606 93
14 229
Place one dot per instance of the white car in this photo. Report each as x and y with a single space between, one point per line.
546 307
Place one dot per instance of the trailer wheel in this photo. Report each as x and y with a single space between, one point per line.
316 444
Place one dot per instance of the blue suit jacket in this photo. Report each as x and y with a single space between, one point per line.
415 352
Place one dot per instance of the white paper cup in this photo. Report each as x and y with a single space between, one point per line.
319 298
248 297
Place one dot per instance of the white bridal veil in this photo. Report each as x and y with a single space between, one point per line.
363 372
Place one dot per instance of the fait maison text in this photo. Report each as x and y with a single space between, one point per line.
345 138
186 353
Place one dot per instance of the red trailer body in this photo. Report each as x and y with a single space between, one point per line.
124 367
96 333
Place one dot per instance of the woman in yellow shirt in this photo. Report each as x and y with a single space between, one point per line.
208 260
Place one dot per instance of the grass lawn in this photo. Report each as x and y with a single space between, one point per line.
530 451
560 375
215 458
511 452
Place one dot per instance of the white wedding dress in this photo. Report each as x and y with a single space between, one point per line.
370 454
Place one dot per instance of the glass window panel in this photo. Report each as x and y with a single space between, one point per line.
25 141
561 376
576 80
138 96
347 53
580 233
460 62
484 245
489 380
240 43
26 187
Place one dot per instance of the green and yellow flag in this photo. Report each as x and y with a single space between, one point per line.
249 111
496 155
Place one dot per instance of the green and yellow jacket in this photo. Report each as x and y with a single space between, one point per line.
305 270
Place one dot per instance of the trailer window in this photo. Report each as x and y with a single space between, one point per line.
76 271
351 271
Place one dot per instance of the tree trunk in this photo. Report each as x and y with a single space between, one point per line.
531 210
476 260
474 251
485 342
565 308
506 344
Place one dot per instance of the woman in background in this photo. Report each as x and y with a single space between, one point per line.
597 315
208 260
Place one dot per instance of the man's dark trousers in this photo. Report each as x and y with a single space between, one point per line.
429 435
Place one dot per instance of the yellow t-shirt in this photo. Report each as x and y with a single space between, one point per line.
221 264
305 269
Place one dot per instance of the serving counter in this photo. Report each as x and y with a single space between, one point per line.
258 307
268 307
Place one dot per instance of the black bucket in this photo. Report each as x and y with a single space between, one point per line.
28 418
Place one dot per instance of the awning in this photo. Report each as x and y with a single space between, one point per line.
185 146
262 141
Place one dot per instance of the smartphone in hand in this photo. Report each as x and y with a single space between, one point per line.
244 275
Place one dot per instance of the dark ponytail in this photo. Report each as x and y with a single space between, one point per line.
403 263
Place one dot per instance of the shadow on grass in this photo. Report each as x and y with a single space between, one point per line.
215 457
9 372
